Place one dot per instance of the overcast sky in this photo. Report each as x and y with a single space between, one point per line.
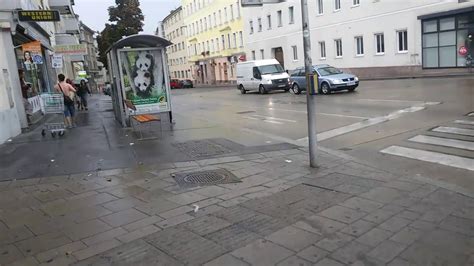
94 13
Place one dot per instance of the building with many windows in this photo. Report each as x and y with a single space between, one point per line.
215 39
372 38
173 29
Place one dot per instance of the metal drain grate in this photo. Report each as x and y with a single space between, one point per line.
206 178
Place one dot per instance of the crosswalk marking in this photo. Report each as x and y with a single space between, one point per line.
464 122
432 157
453 143
454 130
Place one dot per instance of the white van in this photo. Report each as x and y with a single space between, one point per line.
262 75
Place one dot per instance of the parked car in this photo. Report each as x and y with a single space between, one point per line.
186 83
262 75
175 84
330 79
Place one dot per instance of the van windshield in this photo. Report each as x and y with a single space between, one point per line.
271 69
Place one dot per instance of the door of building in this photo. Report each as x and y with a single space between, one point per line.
279 56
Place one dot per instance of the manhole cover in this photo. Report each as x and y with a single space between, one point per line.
205 178
202 148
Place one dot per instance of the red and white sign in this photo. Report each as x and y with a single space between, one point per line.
462 50
242 58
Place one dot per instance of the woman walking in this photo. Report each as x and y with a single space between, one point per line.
68 92
82 93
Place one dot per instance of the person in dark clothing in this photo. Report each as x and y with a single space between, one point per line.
82 92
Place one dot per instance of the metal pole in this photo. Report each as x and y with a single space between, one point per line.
311 84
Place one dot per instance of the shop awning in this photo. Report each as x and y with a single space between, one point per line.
447 13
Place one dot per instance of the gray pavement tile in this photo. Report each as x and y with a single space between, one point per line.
22 216
351 253
387 251
122 204
313 254
127 191
358 228
206 225
331 180
342 214
466 212
123 217
104 236
247 182
402 185
9 254
157 206
436 215
383 194
328 262
410 215
262 224
187 198
96 249
293 238
70 205
65 250
351 189
227 260
207 202
319 225
448 240
374 237
79 188
52 195
423 225
407 235
357 203
139 233
42 243
294 261
29 261
334 241
86 213
235 214
206 210
9 236
233 202
142 223
398 262
262 252
212 191
85 229
239 192
175 212
233 237
175 220
394 224
423 254
381 215
423 191
185 246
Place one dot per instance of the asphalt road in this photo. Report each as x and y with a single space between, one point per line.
392 124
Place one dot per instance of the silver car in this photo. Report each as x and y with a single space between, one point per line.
330 79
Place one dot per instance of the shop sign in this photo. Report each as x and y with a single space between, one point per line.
57 61
32 53
462 51
38 15
71 49
242 58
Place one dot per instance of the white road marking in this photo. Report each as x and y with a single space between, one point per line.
432 157
453 143
387 100
454 130
274 118
264 120
470 114
339 115
464 122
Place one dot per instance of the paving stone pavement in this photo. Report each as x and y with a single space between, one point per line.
344 213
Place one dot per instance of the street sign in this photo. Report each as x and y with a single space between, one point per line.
250 3
71 49
38 15
57 61
462 50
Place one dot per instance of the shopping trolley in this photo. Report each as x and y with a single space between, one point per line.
53 109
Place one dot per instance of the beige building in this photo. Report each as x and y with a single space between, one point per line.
173 29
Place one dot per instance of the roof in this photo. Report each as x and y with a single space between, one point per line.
140 41
172 13
87 28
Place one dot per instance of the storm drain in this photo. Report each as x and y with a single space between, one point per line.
205 178
202 148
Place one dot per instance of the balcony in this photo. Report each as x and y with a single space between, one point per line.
63 6
70 25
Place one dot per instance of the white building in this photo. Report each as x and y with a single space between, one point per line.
174 30
372 38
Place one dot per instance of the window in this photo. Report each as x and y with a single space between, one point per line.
269 21
359 40
205 24
253 55
291 15
262 54
241 37
259 20
295 52
379 43
232 12
338 44
238 8
220 17
402 40
251 27
223 42
217 45
208 47
441 41
209 21
215 19
320 7
355 2
322 50
337 5
225 14
212 46
235 40
280 22
229 45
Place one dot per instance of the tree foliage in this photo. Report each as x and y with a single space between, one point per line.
126 19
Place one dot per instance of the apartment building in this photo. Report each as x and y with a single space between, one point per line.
371 38
215 39
173 28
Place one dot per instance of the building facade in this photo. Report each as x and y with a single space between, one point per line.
215 39
380 38
91 66
173 28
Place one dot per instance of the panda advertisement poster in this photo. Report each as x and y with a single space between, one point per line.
143 79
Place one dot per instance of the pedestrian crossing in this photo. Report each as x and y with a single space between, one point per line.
451 145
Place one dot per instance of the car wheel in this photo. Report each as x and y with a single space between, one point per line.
296 89
262 90
242 89
325 88
352 89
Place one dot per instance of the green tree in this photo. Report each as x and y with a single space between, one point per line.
126 19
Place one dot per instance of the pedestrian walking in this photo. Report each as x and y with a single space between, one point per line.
68 92
82 92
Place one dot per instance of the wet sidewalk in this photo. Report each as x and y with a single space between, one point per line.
280 213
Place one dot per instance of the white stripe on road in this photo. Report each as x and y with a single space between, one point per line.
454 130
264 120
452 143
387 100
327 114
464 122
338 115
274 118
432 157
470 114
